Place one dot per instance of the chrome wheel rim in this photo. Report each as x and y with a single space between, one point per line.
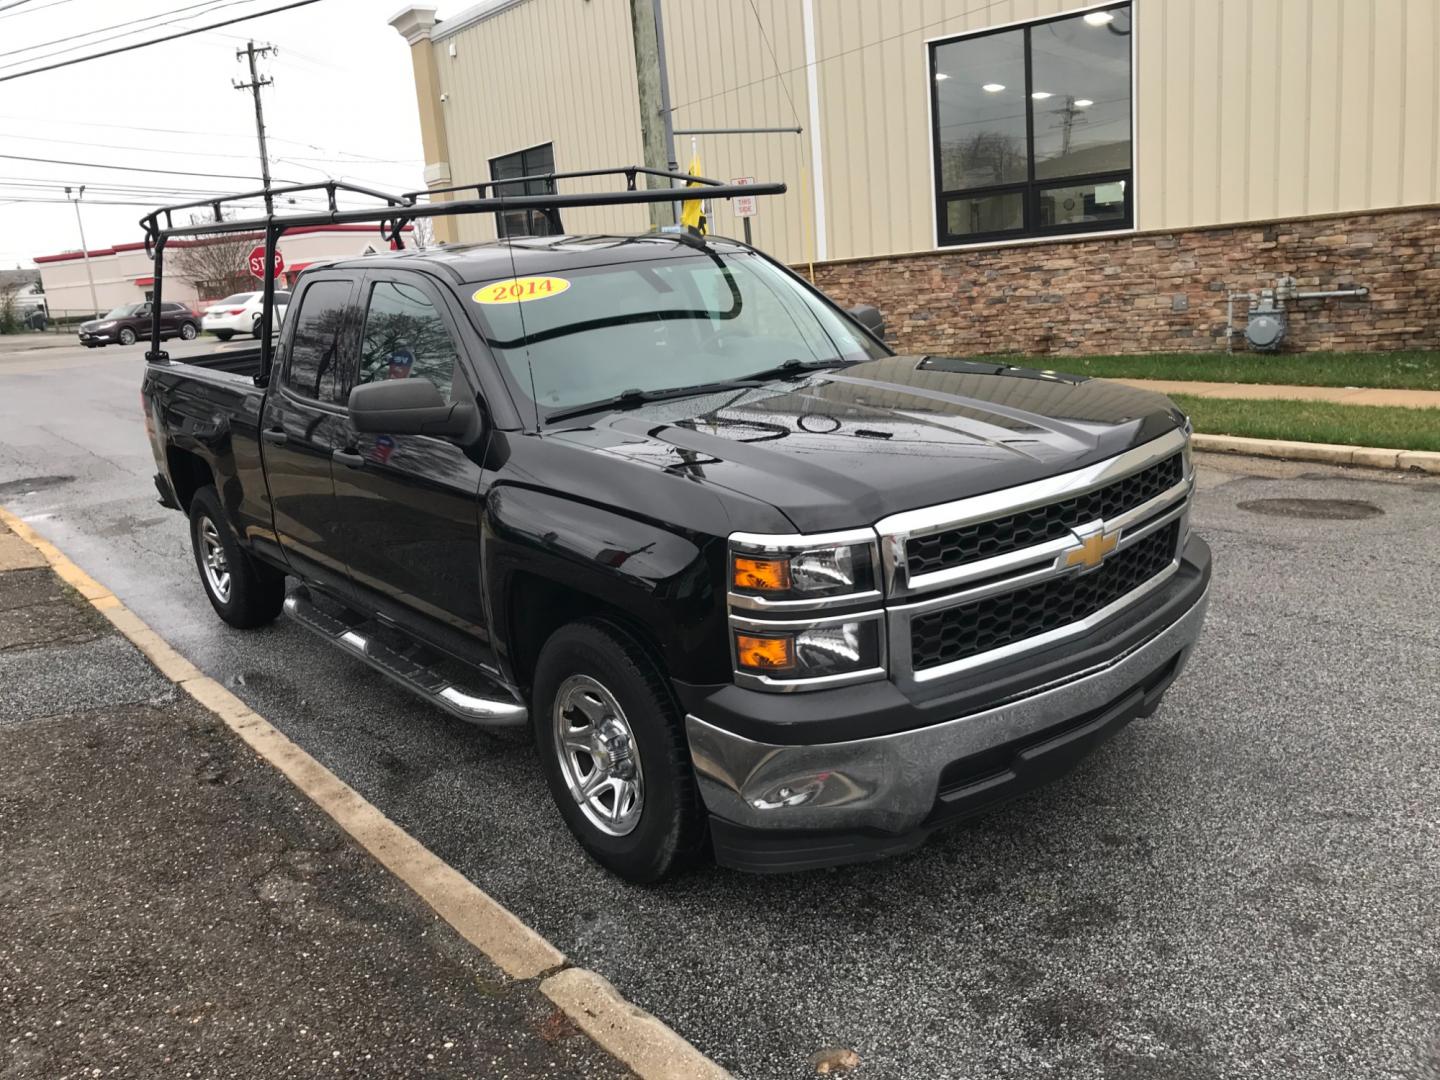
187 332
598 755
212 559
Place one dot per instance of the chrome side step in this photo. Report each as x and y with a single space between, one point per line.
495 707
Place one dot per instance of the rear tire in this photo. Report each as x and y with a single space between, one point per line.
244 592
595 684
188 331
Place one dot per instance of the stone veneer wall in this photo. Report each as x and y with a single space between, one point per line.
1159 291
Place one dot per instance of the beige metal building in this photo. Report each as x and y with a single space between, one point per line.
1026 175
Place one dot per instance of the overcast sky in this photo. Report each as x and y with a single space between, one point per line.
343 105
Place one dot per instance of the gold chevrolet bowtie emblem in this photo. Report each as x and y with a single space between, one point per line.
1092 550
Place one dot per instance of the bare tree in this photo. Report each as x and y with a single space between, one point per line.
423 234
214 265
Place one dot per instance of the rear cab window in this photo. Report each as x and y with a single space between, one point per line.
319 344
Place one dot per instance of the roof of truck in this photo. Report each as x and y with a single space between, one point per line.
528 255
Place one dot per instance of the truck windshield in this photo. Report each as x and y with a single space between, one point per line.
589 334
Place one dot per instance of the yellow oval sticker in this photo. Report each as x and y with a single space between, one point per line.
516 290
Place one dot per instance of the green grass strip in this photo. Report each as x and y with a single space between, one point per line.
1316 421
1390 371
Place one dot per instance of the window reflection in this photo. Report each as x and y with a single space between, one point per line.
1017 110
316 349
405 338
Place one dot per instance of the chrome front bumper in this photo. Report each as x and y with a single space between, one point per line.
890 783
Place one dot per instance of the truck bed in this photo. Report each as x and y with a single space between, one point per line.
244 362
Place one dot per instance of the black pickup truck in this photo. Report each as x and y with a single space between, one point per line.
759 586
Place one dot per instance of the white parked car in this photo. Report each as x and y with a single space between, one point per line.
240 314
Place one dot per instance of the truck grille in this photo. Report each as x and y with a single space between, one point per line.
951 634
1036 525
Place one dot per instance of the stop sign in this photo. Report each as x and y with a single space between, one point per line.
256 263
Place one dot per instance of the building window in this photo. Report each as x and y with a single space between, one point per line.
1032 132
538 160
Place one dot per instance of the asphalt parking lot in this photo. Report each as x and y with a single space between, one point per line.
1245 885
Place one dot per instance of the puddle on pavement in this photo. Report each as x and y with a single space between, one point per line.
30 484
1323 509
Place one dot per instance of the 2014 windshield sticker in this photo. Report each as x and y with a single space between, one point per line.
516 290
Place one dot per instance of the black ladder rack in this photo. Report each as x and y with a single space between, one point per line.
394 212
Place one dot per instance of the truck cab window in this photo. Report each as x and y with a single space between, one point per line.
315 351
405 338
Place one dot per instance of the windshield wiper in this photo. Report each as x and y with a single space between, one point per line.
798 367
629 399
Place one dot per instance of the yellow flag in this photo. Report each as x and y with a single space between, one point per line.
693 213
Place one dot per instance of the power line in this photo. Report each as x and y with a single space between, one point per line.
158 41
131 146
113 26
774 62
137 168
215 135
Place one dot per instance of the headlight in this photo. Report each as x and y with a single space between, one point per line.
776 654
780 589
775 571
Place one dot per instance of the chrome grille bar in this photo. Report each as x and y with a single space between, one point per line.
976 581
898 530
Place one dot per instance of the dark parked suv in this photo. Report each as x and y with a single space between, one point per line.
125 324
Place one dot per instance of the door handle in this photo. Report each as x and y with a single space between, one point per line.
274 436
351 459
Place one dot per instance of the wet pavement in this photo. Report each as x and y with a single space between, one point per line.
1245 885
173 907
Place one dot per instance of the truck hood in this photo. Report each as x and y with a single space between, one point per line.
837 449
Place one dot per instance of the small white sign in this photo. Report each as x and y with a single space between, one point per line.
744 204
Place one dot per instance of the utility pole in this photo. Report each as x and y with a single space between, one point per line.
653 95
85 248
254 85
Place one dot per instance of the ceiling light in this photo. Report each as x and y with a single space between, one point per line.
940 76
1041 95
993 87
1099 18
1083 103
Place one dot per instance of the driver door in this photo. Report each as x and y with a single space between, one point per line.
410 504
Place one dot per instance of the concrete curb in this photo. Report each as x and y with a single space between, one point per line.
633 1036
641 1042
1372 457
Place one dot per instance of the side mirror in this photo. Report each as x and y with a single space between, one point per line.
868 316
409 407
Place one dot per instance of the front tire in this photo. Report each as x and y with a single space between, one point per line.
255 330
127 336
612 744
243 592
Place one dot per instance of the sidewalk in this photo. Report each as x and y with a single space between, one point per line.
29 341
173 906
1345 395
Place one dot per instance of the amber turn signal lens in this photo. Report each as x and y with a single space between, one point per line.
765 653
771 575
